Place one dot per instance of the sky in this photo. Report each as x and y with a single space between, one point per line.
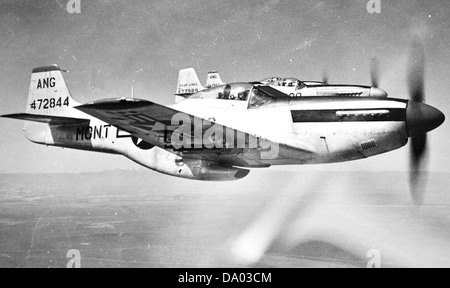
112 43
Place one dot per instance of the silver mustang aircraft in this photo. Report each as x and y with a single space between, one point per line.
219 133
189 84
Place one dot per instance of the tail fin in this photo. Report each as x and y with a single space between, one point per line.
48 93
188 83
49 103
213 79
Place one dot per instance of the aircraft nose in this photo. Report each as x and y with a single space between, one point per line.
422 118
377 92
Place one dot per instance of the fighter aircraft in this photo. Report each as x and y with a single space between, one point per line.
220 133
289 86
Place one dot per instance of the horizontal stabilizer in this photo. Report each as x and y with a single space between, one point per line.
48 119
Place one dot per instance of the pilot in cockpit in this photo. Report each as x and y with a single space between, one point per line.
299 85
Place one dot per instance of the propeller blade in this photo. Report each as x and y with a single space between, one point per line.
417 176
416 71
375 72
325 77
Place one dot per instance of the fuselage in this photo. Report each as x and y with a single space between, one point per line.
304 130
310 130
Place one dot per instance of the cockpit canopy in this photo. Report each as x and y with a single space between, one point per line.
283 82
255 96
235 91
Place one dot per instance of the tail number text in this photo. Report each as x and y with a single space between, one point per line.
49 103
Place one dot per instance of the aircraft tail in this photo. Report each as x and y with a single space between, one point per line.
213 79
188 83
49 103
49 94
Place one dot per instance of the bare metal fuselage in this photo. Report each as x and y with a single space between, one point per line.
357 127
299 130
362 132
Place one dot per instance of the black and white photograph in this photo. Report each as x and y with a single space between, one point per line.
250 134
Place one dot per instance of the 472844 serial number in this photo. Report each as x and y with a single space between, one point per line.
49 103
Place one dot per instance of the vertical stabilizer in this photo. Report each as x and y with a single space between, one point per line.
48 94
188 83
213 79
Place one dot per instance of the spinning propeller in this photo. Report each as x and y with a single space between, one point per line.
420 119
374 73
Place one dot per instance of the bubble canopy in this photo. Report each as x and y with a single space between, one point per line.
284 82
235 91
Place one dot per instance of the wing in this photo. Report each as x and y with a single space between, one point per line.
174 130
